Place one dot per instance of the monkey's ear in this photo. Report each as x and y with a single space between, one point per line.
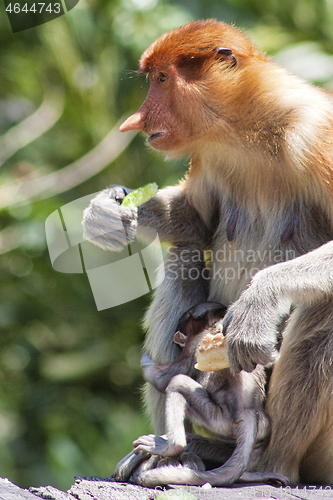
180 339
227 55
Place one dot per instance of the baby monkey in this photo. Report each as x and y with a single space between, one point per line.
228 406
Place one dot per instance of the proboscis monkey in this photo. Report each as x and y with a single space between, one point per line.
259 197
225 404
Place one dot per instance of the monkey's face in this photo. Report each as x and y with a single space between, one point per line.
183 110
196 85
164 116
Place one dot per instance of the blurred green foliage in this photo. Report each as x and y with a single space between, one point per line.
70 375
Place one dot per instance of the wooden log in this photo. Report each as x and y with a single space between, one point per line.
98 488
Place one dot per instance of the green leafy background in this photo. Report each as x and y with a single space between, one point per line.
70 401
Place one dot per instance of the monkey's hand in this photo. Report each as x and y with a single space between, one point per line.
157 445
251 323
107 223
148 366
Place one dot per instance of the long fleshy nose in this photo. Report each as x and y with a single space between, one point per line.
134 122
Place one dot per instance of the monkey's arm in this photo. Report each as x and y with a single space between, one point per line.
110 225
251 323
160 375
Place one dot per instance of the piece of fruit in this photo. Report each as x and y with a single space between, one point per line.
140 195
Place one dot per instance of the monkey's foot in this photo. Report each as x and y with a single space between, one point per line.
126 466
157 445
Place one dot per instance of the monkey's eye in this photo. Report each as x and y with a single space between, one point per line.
224 52
227 55
162 77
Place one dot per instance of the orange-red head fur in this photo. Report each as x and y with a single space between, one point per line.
196 40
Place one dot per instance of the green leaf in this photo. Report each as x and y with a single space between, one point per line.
140 195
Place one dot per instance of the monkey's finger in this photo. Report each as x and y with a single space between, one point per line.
145 448
241 358
99 235
143 445
270 357
139 448
235 366
118 193
149 438
226 322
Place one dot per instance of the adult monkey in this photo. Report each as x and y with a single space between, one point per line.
259 190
